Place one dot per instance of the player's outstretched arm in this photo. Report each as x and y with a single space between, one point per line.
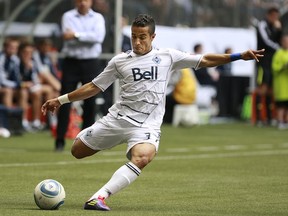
84 92
212 60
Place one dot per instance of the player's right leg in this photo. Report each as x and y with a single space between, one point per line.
142 148
141 155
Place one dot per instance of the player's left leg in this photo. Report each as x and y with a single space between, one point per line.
80 150
141 155
97 137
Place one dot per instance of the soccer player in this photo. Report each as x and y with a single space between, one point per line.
136 117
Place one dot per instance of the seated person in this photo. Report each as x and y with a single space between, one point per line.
48 73
225 69
182 87
204 76
35 92
9 73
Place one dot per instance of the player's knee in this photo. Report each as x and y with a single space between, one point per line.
142 154
76 152
141 160
76 149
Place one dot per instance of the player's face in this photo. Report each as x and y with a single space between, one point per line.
141 40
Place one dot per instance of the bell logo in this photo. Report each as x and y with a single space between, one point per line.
147 75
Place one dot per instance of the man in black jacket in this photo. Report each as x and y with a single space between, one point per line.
268 37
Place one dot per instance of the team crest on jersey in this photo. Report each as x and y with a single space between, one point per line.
156 60
89 133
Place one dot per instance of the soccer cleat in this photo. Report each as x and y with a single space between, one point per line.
96 204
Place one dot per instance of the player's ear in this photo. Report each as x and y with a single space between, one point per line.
153 36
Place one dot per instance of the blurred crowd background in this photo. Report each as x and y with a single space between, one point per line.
190 13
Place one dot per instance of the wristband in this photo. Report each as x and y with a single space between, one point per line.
235 56
63 99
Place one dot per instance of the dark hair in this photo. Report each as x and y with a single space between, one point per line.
143 20
197 47
23 45
44 41
273 9
227 49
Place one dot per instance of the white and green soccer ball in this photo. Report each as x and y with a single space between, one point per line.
49 194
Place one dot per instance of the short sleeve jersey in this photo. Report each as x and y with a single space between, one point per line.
143 82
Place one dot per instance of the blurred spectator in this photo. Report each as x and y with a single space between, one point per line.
204 76
182 10
83 34
10 90
34 91
166 7
280 82
9 73
181 90
105 8
126 41
208 81
48 72
226 69
268 37
225 87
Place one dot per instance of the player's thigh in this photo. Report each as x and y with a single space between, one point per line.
80 150
99 136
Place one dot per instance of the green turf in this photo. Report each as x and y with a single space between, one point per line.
230 169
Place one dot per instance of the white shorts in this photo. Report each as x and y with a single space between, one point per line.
108 132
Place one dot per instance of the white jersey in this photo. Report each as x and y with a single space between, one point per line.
143 82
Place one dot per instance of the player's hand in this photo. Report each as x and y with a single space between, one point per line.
50 105
253 54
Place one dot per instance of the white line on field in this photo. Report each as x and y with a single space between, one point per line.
234 147
208 148
284 145
226 155
161 158
265 146
12 150
180 150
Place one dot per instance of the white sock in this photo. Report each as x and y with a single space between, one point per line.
25 123
36 123
124 176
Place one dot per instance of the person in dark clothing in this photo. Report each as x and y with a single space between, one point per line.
268 37
10 81
83 33
202 74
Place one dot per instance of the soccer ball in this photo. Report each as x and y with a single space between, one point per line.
49 194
